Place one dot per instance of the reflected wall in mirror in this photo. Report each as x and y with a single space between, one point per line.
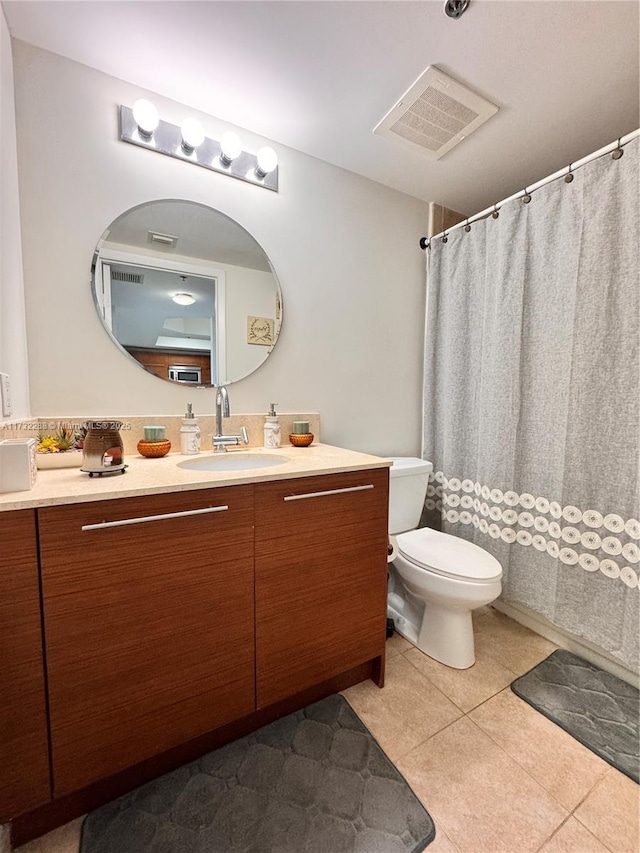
181 288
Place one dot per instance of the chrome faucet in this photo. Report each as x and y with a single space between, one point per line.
219 440
222 407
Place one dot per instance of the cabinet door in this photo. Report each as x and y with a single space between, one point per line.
149 625
321 578
24 752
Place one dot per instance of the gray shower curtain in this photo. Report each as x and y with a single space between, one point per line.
532 383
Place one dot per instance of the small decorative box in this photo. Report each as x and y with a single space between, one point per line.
18 469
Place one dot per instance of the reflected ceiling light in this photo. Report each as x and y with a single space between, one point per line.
230 147
183 299
267 161
146 117
192 134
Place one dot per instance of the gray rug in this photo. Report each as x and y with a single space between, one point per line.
313 782
596 708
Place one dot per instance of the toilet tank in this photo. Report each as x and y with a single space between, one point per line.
408 478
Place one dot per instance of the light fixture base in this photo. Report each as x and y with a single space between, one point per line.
167 139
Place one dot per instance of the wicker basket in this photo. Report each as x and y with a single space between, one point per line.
154 449
301 440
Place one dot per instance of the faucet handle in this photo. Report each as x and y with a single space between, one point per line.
245 435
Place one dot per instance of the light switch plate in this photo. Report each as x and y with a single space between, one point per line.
5 391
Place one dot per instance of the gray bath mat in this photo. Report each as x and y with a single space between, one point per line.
313 782
596 708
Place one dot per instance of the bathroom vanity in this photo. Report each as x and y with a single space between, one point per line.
155 616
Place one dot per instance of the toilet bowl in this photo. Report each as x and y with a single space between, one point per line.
436 580
451 578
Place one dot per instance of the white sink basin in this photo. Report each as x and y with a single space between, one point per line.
232 462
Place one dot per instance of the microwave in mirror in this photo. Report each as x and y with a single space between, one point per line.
185 373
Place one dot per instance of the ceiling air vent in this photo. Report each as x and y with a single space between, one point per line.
128 277
435 114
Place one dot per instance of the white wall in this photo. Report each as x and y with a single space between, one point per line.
13 342
345 250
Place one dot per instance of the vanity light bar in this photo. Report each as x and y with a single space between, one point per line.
168 139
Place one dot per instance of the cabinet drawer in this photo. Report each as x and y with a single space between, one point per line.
310 505
321 578
149 625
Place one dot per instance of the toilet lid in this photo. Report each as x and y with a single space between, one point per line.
448 555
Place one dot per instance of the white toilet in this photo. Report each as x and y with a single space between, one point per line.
436 580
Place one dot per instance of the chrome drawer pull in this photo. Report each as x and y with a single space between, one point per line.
153 517
330 492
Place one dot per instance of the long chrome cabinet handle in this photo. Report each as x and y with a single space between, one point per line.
330 492
162 517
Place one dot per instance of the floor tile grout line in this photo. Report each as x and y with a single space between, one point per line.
450 698
432 683
439 731
484 701
598 838
555 832
501 748
522 767
553 796
607 771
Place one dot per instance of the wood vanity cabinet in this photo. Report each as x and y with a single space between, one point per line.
149 625
321 578
24 754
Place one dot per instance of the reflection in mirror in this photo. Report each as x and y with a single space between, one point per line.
187 292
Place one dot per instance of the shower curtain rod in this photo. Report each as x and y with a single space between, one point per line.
425 242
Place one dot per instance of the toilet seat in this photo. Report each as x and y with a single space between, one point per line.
449 556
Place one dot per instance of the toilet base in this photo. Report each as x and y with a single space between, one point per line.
444 634
447 636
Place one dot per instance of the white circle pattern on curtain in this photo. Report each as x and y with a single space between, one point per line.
548 526
555 530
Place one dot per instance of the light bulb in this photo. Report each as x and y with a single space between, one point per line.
267 161
192 134
146 117
230 147
183 299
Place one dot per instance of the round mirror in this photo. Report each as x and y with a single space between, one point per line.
186 292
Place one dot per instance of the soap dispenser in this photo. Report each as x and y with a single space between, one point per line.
272 428
189 433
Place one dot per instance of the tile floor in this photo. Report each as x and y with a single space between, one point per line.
495 775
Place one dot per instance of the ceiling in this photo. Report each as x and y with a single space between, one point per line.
319 75
203 234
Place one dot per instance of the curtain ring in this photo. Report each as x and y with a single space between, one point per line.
526 198
467 227
617 154
569 176
495 213
445 239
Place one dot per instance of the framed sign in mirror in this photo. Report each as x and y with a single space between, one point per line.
186 292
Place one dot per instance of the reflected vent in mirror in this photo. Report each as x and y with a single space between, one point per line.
435 114
128 277
167 240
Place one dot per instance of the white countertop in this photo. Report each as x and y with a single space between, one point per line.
157 476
